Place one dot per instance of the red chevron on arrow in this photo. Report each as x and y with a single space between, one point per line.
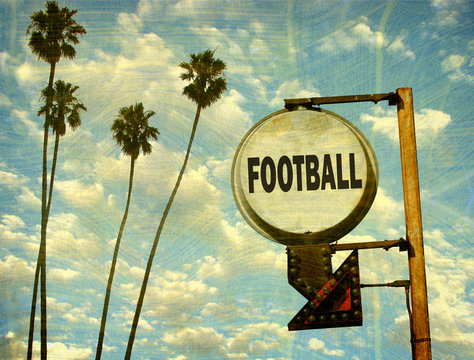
337 303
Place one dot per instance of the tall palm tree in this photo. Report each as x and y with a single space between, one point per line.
207 85
52 33
132 132
64 106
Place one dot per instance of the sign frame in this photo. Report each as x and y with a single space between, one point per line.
329 234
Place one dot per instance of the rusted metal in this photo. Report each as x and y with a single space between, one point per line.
309 268
385 244
414 231
396 283
290 104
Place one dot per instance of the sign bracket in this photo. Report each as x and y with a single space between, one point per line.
397 283
384 244
292 104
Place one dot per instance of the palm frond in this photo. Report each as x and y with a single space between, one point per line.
207 78
132 132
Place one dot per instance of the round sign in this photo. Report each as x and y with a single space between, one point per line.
304 177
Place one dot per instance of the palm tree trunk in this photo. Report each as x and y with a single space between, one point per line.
114 261
138 310
41 262
53 172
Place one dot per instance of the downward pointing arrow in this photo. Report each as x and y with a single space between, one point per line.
337 303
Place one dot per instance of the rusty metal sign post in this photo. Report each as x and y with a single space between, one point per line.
403 98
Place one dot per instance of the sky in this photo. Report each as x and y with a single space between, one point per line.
218 289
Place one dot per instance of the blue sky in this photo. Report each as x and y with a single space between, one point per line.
218 289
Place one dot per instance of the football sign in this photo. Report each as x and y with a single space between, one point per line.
304 177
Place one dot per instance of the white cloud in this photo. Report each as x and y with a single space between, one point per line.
10 179
348 40
3 58
129 22
428 122
57 350
453 62
179 357
79 194
23 125
454 65
69 239
63 275
362 34
16 268
386 210
220 168
30 72
172 297
257 338
225 123
292 89
8 231
13 221
81 315
28 198
5 100
450 309
196 340
319 345
399 47
209 267
447 12
276 260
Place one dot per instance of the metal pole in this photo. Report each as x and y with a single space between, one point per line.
421 342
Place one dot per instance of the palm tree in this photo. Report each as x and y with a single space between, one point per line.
131 131
52 33
64 106
207 85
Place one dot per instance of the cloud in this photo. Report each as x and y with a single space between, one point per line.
130 22
80 195
292 89
10 179
225 123
81 315
63 275
257 338
450 308
319 345
447 12
29 73
5 100
362 34
28 198
399 47
69 238
15 268
454 66
13 222
11 236
428 122
3 58
24 126
59 350
16 183
172 297
198 340
385 211
209 267
348 40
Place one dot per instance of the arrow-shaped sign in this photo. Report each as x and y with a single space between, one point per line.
337 303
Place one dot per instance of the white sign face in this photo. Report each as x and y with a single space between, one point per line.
304 177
